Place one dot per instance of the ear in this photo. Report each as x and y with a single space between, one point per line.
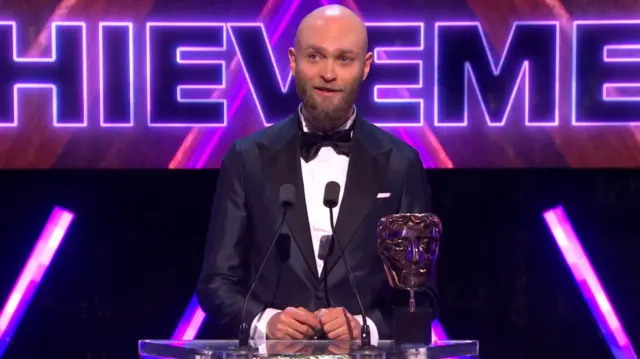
292 60
367 65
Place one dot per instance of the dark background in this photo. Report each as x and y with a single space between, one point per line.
127 268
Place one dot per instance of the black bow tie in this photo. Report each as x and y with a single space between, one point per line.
311 143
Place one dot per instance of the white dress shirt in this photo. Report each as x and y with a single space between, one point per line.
327 166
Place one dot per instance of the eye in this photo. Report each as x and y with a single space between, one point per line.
393 246
313 57
344 58
427 245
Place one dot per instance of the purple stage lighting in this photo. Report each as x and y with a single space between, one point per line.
437 333
589 284
33 271
190 322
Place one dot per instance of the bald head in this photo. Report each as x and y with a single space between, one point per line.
338 20
329 62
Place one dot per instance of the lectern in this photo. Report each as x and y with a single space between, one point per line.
224 349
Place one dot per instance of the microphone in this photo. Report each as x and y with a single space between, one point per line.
287 200
331 196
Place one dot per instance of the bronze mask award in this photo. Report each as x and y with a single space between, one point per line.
408 245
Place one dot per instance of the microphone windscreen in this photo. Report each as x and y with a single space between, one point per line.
287 195
331 194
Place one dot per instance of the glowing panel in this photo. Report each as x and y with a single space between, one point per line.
462 55
190 322
32 272
606 80
63 74
437 333
621 53
116 61
588 283
172 72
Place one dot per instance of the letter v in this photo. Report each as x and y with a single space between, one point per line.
254 51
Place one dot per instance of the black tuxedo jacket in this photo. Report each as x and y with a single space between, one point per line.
246 213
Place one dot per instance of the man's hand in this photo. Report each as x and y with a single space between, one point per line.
292 323
338 324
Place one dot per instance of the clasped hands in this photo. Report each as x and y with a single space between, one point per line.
299 323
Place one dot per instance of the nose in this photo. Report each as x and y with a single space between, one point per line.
329 74
415 258
413 253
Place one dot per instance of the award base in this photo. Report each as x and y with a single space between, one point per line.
411 327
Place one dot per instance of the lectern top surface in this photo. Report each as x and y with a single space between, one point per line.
228 349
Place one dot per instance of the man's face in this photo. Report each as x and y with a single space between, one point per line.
329 64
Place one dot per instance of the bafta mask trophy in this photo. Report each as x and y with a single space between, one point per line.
408 244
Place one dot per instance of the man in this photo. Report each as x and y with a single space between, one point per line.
299 294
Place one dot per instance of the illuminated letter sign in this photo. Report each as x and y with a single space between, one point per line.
63 74
462 56
181 74
606 77
389 76
116 74
186 74
275 98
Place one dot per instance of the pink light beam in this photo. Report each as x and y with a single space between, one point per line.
32 272
190 322
589 284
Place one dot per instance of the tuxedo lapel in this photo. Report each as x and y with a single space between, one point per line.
367 167
280 154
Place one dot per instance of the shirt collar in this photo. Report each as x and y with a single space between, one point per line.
345 126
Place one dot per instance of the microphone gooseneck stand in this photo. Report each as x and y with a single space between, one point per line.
331 196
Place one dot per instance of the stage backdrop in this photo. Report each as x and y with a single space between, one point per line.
469 83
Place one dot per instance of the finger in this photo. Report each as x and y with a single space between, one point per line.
291 327
280 335
350 334
301 328
339 333
354 327
306 318
296 326
347 330
304 310
334 313
290 333
334 325
329 316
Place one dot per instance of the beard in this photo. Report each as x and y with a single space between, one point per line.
327 114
